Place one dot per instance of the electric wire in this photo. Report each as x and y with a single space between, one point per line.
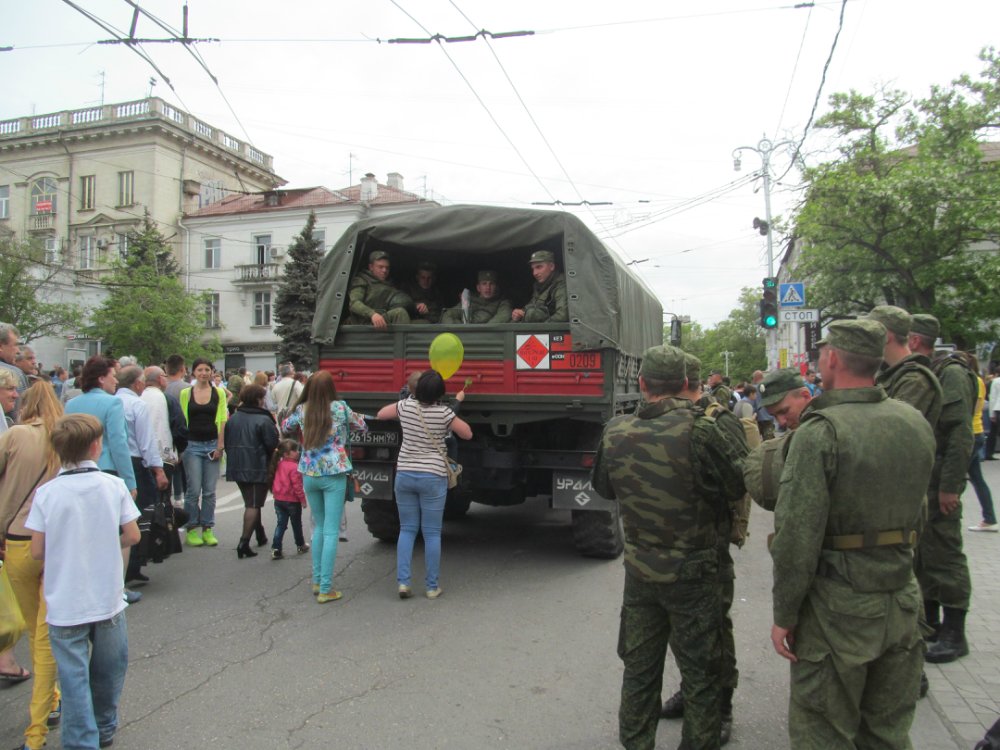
795 68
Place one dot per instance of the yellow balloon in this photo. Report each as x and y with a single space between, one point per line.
446 354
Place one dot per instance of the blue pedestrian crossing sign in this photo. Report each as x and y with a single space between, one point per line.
792 294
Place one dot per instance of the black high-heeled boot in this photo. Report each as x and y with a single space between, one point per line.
243 549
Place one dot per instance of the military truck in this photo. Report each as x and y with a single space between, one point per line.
539 393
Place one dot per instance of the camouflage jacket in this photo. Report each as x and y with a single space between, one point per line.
954 427
911 380
494 310
859 465
369 295
674 472
430 297
548 301
722 394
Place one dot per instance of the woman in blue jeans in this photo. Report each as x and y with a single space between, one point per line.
205 413
421 477
324 423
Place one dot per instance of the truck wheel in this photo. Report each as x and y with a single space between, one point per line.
381 518
456 505
598 533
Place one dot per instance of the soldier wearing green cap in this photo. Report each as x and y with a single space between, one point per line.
849 507
941 565
485 306
548 301
906 375
374 299
673 472
425 294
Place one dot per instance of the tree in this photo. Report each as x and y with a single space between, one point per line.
907 213
296 299
739 334
30 296
148 313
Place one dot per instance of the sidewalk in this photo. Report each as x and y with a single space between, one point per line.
965 695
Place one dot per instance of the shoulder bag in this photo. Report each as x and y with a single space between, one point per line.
454 468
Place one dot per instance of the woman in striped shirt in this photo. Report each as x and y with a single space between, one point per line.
422 477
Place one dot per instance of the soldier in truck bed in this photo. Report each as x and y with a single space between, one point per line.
548 296
374 299
485 306
426 295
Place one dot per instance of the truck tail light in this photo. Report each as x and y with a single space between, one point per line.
587 460
357 452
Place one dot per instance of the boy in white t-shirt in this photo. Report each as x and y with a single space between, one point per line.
81 521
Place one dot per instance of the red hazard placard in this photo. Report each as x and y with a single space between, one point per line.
532 352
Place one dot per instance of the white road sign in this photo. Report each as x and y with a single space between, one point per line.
799 316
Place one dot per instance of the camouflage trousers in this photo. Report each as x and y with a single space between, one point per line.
856 682
395 316
940 562
688 616
729 675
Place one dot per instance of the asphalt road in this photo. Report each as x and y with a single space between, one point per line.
518 652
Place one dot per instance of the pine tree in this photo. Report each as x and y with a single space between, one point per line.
147 247
296 299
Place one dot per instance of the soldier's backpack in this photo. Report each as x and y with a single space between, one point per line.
956 359
762 470
741 508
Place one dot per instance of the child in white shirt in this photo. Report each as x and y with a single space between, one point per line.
80 522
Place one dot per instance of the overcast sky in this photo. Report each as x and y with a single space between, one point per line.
639 104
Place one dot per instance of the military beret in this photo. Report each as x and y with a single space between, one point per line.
542 256
865 337
487 275
895 319
378 255
663 363
926 325
778 384
692 368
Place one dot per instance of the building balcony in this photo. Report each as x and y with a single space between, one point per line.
261 273
41 223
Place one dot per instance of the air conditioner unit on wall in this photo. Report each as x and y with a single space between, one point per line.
275 252
102 243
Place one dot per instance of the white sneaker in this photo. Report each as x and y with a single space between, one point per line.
983 526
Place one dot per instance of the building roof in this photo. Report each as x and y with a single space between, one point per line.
300 198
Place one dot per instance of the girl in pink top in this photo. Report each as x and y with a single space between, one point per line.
289 496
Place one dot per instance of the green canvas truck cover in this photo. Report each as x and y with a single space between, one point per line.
609 305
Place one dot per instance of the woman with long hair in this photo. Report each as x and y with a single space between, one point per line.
325 423
204 408
251 437
26 462
422 477
260 378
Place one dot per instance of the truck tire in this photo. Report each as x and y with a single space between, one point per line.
598 533
456 505
381 518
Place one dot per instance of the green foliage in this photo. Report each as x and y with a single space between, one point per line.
148 313
28 298
739 334
296 298
907 213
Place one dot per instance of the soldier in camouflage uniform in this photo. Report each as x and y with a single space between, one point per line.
718 389
548 296
486 306
845 597
673 707
374 299
942 568
424 293
674 472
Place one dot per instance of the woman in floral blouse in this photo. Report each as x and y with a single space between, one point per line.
324 423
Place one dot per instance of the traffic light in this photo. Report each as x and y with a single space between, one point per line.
675 331
769 304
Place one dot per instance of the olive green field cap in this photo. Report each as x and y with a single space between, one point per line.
663 363
865 337
542 256
378 255
487 275
692 368
895 319
926 325
778 384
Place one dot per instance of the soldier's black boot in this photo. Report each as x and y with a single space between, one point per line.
673 707
951 643
932 619
726 705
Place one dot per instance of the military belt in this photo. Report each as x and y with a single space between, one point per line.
871 539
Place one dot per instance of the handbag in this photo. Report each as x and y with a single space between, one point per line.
454 468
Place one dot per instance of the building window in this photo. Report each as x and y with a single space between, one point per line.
43 196
123 246
320 236
4 201
126 188
262 308
213 253
212 310
87 186
88 252
262 244
51 250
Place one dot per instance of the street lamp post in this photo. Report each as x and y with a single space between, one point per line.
764 148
